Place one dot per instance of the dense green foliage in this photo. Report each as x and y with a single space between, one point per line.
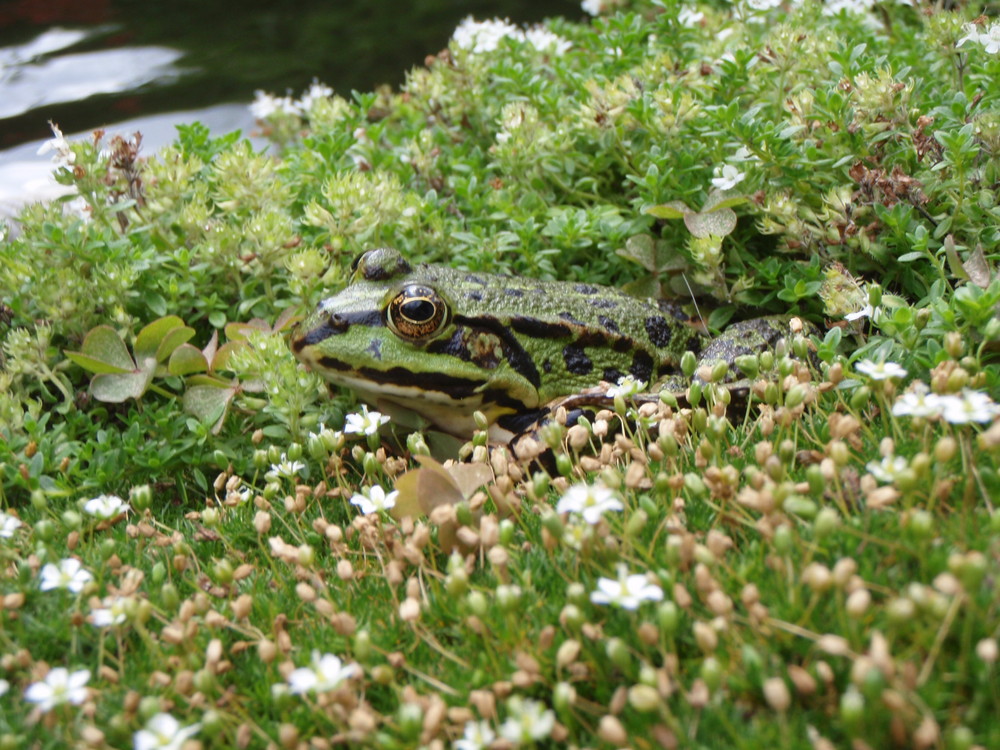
824 560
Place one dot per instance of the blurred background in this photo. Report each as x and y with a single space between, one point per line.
133 65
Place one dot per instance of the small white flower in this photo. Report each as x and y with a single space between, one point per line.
376 500
970 406
68 574
483 36
971 34
763 5
59 686
528 721
112 613
106 506
918 403
688 17
727 177
286 468
576 535
4 686
627 387
590 501
316 92
8 525
63 155
478 735
365 423
546 41
834 7
991 39
887 469
879 370
163 732
325 673
593 7
628 592
865 312
265 105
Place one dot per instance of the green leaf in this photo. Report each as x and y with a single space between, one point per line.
672 210
208 403
148 341
718 223
718 200
104 345
186 359
171 341
92 364
115 388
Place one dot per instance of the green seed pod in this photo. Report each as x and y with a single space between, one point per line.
618 653
711 672
668 617
689 362
861 397
749 365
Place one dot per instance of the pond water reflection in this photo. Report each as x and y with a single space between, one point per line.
87 64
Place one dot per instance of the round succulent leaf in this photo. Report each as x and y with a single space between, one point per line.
147 342
186 360
718 222
103 351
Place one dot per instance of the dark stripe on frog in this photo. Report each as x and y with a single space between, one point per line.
642 366
336 324
457 388
518 358
611 374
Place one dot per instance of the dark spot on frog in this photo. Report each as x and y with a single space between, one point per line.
577 362
547 365
642 366
622 345
603 304
611 374
475 296
568 316
659 330
453 347
608 324
513 292
585 289
375 349
473 279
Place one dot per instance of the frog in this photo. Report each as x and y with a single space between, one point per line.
458 347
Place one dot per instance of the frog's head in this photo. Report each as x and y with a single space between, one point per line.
393 334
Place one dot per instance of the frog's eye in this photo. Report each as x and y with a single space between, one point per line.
416 313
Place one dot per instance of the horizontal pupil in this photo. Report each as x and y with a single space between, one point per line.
418 311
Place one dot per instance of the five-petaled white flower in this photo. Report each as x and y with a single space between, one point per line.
593 7
865 312
918 403
8 524
879 370
589 500
264 105
325 673
68 574
63 155
627 592
114 612
888 468
627 387
375 500
478 735
365 423
688 17
528 721
763 5
286 468
59 686
4 686
969 406
163 732
483 36
316 92
727 177
989 39
106 506
834 7
544 40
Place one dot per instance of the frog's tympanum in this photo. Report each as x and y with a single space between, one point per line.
445 343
